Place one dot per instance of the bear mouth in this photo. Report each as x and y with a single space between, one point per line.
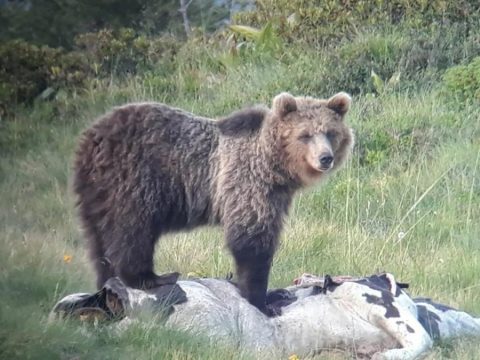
317 171
325 169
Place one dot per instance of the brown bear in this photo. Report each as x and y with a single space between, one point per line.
147 169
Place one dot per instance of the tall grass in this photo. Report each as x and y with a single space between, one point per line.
407 202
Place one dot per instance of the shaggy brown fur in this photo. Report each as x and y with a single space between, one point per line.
147 169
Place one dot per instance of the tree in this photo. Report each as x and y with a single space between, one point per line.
55 23
183 10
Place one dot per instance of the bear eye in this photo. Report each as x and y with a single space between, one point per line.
304 137
331 135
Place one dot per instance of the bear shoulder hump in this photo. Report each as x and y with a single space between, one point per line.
242 122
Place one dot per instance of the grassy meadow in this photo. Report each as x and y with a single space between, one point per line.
407 202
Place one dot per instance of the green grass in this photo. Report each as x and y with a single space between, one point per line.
407 202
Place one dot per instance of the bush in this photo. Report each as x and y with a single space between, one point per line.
463 81
440 47
402 40
124 52
401 54
27 70
350 66
317 22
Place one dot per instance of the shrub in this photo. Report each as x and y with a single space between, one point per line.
463 81
440 47
318 22
350 66
357 37
396 54
27 70
124 52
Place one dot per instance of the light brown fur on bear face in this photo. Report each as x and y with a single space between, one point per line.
307 130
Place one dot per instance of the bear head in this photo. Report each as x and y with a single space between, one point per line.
311 135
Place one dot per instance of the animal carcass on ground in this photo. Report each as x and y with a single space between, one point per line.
372 317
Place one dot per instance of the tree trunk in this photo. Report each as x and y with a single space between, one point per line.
183 10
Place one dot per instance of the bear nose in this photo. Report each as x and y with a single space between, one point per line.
326 160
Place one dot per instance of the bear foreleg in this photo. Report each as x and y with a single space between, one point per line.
253 256
252 273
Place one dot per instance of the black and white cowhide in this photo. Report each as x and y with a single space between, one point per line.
372 317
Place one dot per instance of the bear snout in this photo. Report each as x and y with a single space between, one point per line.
326 161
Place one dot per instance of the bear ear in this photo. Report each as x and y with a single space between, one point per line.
284 104
340 103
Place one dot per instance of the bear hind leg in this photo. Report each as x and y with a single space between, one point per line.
104 270
103 266
133 259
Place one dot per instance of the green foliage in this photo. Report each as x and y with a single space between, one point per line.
384 86
377 148
440 47
56 23
263 40
27 70
124 52
349 67
166 63
399 56
463 81
317 22
411 38
163 16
